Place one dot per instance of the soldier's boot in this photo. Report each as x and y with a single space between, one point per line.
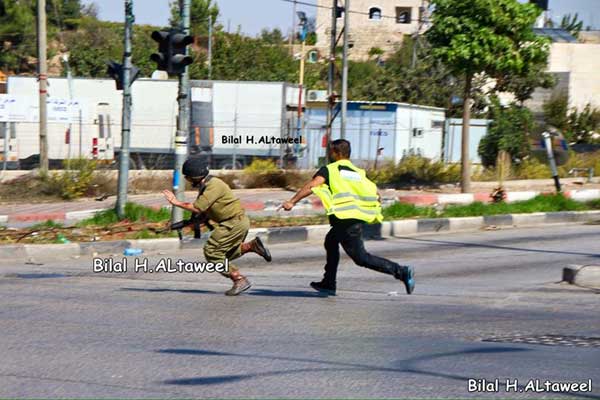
240 284
256 246
324 287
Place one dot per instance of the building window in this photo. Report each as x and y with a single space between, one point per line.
375 13
403 15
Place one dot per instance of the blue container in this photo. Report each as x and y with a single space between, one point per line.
132 252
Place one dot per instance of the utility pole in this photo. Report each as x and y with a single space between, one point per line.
43 79
126 117
293 34
65 60
303 34
210 33
331 72
181 137
345 71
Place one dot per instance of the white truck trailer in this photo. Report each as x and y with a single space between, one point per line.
84 119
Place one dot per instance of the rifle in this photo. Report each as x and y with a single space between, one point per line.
197 219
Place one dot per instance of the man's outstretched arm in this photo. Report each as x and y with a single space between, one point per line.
171 198
302 193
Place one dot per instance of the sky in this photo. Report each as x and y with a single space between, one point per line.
254 15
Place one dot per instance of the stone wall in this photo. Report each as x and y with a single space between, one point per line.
366 33
581 61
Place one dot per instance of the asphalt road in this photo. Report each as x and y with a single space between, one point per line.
67 332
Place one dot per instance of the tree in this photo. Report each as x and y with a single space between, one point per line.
509 131
572 24
486 38
585 124
64 13
272 37
96 42
200 11
17 36
523 86
426 82
237 57
556 111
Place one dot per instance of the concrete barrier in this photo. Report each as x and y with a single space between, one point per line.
498 220
528 219
583 275
466 223
406 227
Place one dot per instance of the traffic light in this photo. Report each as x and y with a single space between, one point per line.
116 70
161 58
172 51
179 59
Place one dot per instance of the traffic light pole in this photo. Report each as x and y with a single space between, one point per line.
126 118
181 137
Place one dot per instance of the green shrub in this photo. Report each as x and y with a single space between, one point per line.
263 173
415 170
261 166
541 203
405 210
577 160
532 168
133 212
508 131
73 181
49 224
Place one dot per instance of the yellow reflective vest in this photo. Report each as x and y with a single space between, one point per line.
350 194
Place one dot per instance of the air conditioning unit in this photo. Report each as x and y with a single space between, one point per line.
316 95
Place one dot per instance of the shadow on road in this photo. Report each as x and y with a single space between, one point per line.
285 293
407 366
252 292
492 246
160 290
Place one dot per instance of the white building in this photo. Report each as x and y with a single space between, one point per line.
220 109
379 130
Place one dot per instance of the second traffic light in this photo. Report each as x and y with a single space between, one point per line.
116 71
172 51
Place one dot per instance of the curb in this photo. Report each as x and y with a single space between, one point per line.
468 198
315 204
587 276
297 234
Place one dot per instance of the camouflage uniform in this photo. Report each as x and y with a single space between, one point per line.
231 224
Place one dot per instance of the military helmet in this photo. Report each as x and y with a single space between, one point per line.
195 167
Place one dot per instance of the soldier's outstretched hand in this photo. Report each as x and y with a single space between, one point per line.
170 196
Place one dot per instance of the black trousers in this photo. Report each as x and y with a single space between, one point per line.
349 234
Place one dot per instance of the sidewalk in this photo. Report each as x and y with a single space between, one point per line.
256 202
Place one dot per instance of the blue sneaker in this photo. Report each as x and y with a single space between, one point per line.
409 279
406 274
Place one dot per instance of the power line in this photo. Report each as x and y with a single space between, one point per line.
351 11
